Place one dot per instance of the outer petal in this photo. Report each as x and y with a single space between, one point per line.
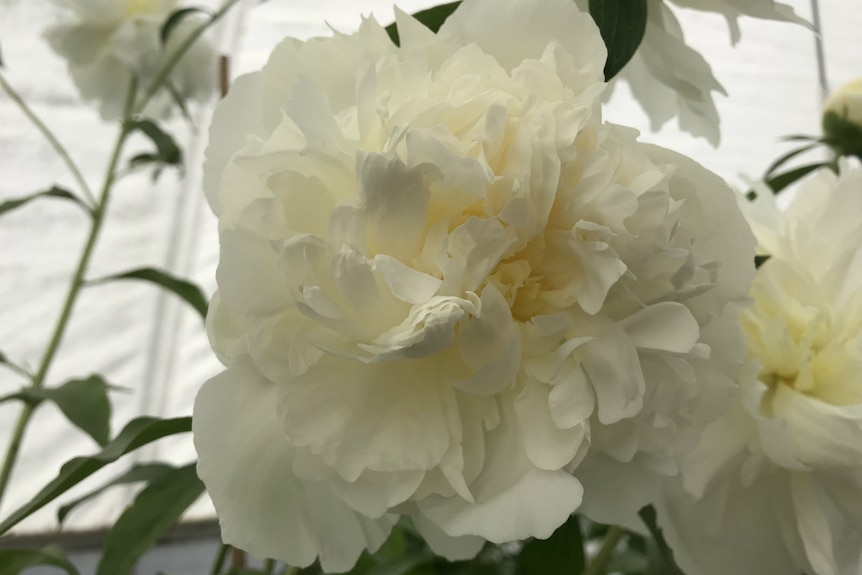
492 25
246 464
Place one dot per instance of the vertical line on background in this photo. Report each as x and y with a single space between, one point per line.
818 47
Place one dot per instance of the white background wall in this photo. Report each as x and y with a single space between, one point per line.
148 342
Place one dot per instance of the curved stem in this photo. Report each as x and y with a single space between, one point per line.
218 563
72 295
166 70
52 139
600 561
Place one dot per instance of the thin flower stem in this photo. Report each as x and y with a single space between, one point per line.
166 70
74 289
52 139
269 567
600 561
218 562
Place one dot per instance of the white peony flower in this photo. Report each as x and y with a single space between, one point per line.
443 281
776 486
846 102
670 79
106 41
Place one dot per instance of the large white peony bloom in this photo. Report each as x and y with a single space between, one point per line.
106 41
670 79
776 487
443 281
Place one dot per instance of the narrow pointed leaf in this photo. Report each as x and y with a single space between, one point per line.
789 156
562 552
662 561
167 150
156 508
781 181
432 17
86 405
15 561
28 395
53 192
622 24
188 291
177 17
141 472
138 432
4 360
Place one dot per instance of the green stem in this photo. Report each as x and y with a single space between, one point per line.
72 295
269 566
52 139
218 563
166 70
600 561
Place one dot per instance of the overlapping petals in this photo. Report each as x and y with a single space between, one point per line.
454 283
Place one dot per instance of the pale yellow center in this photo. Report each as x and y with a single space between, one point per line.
138 7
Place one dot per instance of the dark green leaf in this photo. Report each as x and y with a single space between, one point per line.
781 181
622 24
28 395
432 17
156 508
188 291
801 138
141 472
177 17
759 261
53 192
167 150
14 561
562 552
663 564
842 135
137 433
789 156
85 404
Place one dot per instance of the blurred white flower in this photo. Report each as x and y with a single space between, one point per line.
776 487
670 79
846 101
106 41
442 278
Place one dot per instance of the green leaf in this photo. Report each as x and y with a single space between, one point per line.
138 432
14 561
4 360
432 18
188 291
789 156
29 395
167 151
156 508
53 192
140 472
85 404
664 563
759 261
562 552
622 24
842 135
781 181
175 18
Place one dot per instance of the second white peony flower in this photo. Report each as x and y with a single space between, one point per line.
448 291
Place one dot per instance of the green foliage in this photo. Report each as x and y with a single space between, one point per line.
622 24
167 153
660 555
176 17
15 561
432 17
4 360
780 181
138 432
52 192
562 552
842 135
156 508
188 291
84 402
142 472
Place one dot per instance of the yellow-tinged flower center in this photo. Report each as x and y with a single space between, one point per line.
801 342
138 7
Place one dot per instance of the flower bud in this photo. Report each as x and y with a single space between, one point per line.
842 119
